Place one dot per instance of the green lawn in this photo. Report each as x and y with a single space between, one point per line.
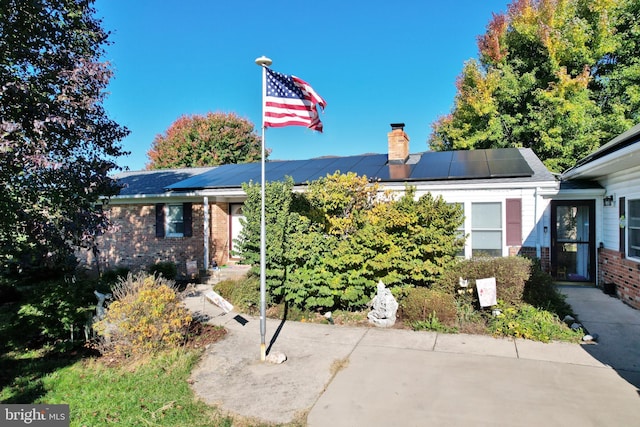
155 392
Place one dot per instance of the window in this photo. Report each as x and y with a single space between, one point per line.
173 220
486 229
236 217
633 227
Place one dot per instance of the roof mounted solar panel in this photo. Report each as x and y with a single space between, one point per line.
469 156
432 165
469 170
502 153
509 168
372 159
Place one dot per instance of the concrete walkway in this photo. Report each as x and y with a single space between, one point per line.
344 376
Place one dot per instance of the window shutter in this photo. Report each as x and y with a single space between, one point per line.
622 212
159 219
187 219
514 222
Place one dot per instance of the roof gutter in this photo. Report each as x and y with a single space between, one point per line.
591 168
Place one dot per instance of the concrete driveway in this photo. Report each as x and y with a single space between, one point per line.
344 376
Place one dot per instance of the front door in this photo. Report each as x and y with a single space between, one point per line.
572 240
235 226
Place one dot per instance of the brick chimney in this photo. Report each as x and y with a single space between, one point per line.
398 144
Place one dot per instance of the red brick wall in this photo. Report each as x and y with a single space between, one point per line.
132 242
624 273
219 249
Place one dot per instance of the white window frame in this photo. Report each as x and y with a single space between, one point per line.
501 229
169 221
632 227
462 231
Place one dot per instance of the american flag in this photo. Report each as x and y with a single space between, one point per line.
290 101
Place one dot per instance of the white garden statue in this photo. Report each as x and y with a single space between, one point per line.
384 308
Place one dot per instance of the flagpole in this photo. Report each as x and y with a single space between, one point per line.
263 62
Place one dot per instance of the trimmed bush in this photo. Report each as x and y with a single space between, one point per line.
244 294
423 304
112 276
511 273
147 315
540 292
166 269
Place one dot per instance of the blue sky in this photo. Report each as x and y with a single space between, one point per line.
374 62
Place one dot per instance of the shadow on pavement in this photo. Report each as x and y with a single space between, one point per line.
616 324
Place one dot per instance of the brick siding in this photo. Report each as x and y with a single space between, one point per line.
131 241
624 273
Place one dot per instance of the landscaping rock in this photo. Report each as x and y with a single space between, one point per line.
575 326
384 308
568 320
276 357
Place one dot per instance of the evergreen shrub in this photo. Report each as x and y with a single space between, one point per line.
166 269
511 273
540 292
244 294
423 304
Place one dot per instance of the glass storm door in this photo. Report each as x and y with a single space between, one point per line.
572 240
235 226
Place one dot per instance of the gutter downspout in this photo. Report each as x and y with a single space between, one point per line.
535 213
206 234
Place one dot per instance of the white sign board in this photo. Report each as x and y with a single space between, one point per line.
217 299
486 291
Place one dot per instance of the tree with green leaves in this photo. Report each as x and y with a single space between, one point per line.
57 144
328 247
210 140
558 76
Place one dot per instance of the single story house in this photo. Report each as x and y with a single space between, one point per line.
616 168
512 205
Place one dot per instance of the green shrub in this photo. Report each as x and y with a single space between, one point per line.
244 294
147 315
112 276
286 311
511 274
8 293
531 323
432 323
58 309
328 248
421 304
540 292
166 269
